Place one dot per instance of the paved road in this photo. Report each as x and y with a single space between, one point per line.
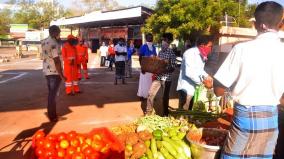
23 96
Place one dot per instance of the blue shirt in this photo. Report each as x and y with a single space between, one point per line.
145 51
130 51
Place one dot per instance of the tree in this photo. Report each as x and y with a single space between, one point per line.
189 18
5 21
38 15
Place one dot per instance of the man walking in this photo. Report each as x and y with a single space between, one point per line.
82 59
163 80
52 68
70 65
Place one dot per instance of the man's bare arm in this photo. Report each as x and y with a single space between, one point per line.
219 89
58 67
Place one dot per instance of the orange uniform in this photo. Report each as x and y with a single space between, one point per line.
82 60
70 67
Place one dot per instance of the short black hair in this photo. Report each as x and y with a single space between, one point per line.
168 36
204 39
149 35
269 13
54 29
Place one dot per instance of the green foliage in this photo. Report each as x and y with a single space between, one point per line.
38 15
5 21
185 18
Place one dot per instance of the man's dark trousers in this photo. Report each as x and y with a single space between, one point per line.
53 83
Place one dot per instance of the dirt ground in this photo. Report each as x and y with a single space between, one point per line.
23 100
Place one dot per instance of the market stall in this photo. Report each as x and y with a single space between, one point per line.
149 137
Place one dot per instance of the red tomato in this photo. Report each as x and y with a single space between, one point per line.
39 152
50 153
74 142
97 137
105 149
40 142
51 137
70 151
61 136
81 138
84 146
71 135
39 134
88 140
97 146
78 156
49 144
95 155
64 143
88 151
61 152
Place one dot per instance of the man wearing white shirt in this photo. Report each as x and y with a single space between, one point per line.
120 58
192 70
103 51
253 71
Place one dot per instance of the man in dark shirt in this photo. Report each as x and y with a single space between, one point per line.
164 79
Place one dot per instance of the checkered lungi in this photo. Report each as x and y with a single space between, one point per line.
253 134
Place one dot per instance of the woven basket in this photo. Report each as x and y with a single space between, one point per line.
153 65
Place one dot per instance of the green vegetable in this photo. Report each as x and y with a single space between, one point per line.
159 144
160 156
166 153
154 122
158 134
186 148
176 146
172 132
181 135
147 143
149 154
154 148
169 148
143 157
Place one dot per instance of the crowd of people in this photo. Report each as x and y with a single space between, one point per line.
252 71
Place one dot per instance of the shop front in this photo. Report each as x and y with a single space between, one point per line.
109 26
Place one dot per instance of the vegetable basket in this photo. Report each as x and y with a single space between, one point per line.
153 65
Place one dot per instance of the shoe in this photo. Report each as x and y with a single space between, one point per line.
79 79
78 92
88 78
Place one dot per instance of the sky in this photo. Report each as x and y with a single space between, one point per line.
126 3
68 3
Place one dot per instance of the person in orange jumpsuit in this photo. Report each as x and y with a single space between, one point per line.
82 59
69 52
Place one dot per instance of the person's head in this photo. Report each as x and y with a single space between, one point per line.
72 40
149 37
121 41
268 15
54 31
204 44
103 44
167 39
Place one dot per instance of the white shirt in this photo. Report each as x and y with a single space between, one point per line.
119 48
254 71
50 49
103 50
192 68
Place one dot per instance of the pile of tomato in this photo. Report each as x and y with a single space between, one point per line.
100 143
